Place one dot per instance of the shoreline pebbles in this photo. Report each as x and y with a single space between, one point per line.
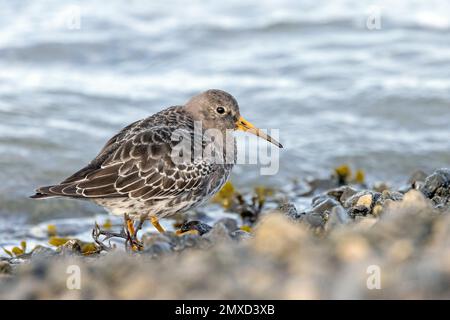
272 249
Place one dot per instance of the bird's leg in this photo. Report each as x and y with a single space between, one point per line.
131 233
129 224
139 225
156 224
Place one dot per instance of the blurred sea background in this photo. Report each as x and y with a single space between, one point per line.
346 81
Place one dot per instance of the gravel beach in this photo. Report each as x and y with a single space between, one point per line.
352 242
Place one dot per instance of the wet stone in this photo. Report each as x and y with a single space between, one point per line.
16 261
290 210
325 205
317 220
342 193
319 199
201 227
240 235
364 195
185 241
42 252
340 214
322 205
71 247
149 239
389 195
365 201
361 203
5 268
358 211
219 233
230 223
285 251
437 184
157 249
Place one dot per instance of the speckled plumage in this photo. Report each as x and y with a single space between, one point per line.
134 172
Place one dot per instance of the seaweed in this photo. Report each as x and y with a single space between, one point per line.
17 251
344 175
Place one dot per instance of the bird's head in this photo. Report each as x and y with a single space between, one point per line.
217 109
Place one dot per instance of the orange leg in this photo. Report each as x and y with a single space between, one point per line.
135 244
130 226
156 224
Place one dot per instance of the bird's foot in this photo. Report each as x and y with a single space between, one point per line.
97 232
131 234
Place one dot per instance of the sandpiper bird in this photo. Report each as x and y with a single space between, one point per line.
139 172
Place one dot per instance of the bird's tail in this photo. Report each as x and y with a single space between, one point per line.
44 193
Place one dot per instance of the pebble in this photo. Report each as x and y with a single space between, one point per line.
71 247
42 252
342 193
230 223
341 214
437 188
157 249
365 201
5 268
289 210
218 233
201 227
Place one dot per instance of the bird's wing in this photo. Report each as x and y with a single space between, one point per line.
110 147
142 168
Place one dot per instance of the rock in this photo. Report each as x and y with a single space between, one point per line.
352 248
413 200
276 235
201 227
185 241
5 268
42 252
362 203
392 195
71 247
318 216
240 235
289 210
219 233
325 206
341 214
148 239
365 201
319 199
437 187
342 193
281 259
317 220
365 195
437 184
377 210
157 249
230 223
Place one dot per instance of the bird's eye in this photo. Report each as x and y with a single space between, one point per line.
220 110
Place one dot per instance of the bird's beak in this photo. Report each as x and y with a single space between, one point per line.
246 126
